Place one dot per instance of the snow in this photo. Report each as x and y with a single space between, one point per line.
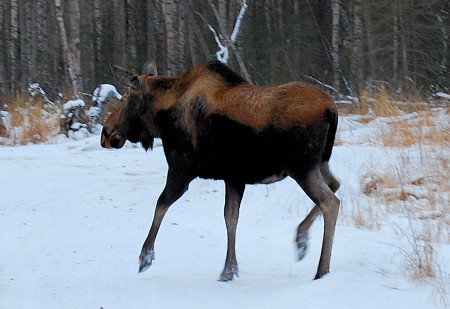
35 89
103 91
443 95
71 104
73 218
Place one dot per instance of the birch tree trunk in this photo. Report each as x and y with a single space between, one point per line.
170 17
71 51
335 40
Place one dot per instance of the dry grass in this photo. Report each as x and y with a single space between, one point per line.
415 184
32 120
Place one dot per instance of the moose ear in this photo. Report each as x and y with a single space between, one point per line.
126 77
149 68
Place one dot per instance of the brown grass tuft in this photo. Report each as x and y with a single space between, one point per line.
32 120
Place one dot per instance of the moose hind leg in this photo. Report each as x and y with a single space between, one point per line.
302 231
320 193
328 177
233 197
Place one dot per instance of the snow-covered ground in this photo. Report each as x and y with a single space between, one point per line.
73 218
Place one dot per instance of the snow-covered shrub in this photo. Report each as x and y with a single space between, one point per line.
75 122
106 99
78 121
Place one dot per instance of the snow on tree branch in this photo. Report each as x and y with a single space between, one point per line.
237 24
223 53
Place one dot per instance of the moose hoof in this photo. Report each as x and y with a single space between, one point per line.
320 274
228 274
145 260
302 245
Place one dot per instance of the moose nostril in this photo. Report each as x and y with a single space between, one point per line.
115 142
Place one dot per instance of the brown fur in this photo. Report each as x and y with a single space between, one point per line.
256 106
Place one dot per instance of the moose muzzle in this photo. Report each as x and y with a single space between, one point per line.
111 139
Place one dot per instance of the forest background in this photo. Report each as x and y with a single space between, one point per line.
348 45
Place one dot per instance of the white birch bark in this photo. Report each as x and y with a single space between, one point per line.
335 40
73 67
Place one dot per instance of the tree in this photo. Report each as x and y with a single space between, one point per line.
170 21
335 41
70 42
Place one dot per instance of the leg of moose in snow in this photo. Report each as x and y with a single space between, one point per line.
233 197
176 185
302 232
318 190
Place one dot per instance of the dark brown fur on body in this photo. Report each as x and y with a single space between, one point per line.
215 125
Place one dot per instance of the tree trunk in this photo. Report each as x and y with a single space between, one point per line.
42 37
395 43
335 40
119 40
151 31
170 17
445 54
403 42
371 47
88 48
181 62
98 29
268 5
130 32
14 46
71 51
3 80
74 43
356 63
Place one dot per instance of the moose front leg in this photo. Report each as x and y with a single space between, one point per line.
233 197
176 185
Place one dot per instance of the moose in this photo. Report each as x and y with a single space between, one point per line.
215 125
